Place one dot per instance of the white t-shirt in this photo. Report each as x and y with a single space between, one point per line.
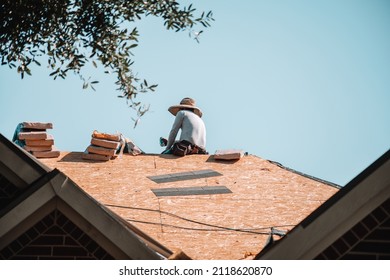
192 129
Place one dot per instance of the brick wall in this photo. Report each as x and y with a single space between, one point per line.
367 240
54 237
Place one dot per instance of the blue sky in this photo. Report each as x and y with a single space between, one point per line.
303 83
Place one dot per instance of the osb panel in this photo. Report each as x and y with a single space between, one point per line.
203 226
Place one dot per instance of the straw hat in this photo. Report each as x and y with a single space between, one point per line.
185 103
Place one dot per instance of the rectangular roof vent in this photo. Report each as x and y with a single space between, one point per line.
191 191
174 177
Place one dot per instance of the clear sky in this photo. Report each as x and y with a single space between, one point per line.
304 83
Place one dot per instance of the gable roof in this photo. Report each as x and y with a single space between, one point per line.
353 224
44 214
207 208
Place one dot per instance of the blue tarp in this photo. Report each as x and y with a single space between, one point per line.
15 138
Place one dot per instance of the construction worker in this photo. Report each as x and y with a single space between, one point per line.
193 131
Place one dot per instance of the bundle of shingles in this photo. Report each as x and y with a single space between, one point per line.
33 137
233 154
103 146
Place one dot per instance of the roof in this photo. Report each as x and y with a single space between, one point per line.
353 224
45 215
209 209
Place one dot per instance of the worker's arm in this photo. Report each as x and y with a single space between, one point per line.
175 129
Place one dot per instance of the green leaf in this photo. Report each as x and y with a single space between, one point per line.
72 33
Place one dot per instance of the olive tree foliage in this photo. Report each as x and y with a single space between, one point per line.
72 33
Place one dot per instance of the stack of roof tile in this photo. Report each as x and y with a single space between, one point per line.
103 146
36 140
233 154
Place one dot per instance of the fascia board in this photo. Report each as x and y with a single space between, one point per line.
25 209
21 164
101 219
307 243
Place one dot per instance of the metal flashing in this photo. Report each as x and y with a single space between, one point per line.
207 190
181 176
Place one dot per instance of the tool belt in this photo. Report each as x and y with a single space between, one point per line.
185 147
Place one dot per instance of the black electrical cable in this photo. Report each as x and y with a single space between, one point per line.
221 228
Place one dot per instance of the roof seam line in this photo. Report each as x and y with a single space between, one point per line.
160 214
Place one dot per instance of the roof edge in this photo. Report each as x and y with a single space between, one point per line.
305 175
354 184
344 190
36 185
31 160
